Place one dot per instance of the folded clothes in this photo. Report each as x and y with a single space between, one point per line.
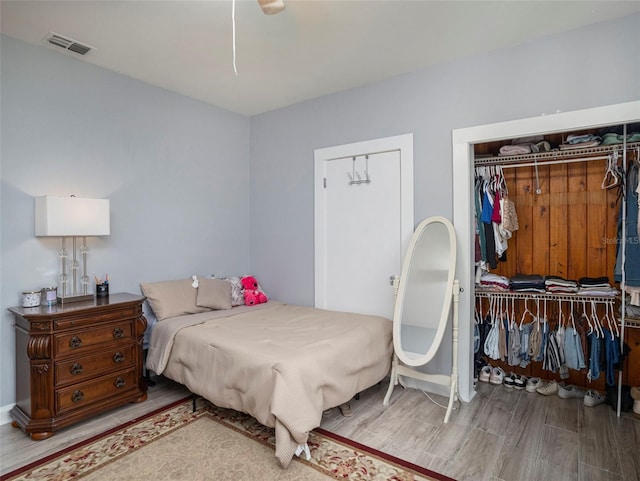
634 295
527 278
561 288
515 149
527 287
631 311
613 138
527 283
559 281
594 281
583 145
542 146
610 292
494 280
581 139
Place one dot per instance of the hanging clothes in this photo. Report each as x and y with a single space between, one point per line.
594 356
632 241
612 356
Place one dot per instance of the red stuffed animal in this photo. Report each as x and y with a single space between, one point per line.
252 294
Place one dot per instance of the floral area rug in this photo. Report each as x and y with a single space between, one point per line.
217 444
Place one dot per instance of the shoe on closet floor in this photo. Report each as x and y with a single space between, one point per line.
520 382
533 383
566 391
593 398
509 381
635 394
497 376
548 389
485 373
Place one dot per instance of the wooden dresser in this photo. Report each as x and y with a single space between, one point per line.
76 360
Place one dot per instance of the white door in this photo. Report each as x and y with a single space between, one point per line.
364 218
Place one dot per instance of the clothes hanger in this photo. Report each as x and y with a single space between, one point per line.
613 318
525 312
572 317
586 316
596 320
501 312
560 324
612 175
608 319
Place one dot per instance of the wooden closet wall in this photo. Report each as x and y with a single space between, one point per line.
568 230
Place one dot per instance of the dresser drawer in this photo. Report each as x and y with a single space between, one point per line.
79 369
82 340
80 321
88 392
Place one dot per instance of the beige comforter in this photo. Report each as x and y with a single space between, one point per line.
280 363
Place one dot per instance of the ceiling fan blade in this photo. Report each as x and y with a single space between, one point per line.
270 7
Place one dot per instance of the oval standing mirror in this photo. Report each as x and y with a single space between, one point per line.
424 294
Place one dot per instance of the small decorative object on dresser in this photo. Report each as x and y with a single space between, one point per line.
77 360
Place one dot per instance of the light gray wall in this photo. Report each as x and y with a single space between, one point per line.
589 67
176 171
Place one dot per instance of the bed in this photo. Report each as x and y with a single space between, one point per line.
282 364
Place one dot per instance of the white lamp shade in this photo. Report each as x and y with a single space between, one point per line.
71 216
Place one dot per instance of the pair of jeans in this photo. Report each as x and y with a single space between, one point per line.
612 356
594 356
573 354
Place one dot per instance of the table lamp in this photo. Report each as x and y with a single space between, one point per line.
72 217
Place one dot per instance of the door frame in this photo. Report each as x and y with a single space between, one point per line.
401 143
463 210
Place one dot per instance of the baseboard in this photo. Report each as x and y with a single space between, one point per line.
4 414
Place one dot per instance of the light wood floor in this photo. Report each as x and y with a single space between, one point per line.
502 435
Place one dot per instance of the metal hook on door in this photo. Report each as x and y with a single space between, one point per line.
353 175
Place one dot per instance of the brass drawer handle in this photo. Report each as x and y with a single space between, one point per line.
120 382
77 396
76 368
118 333
75 341
118 357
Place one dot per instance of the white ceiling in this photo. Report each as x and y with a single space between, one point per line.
313 48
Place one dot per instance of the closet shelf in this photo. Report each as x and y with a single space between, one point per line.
553 155
551 296
630 322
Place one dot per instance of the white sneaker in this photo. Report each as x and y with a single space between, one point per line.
533 383
485 373
520 382
509 381
593 398
497 376
635 394
548 389
569 391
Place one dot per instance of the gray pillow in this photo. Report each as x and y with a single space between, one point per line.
172 298
213 293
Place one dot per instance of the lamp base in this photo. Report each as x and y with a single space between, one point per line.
78 298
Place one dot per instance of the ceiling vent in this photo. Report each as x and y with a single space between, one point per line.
67 43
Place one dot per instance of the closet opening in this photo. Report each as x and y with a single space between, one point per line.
567 201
